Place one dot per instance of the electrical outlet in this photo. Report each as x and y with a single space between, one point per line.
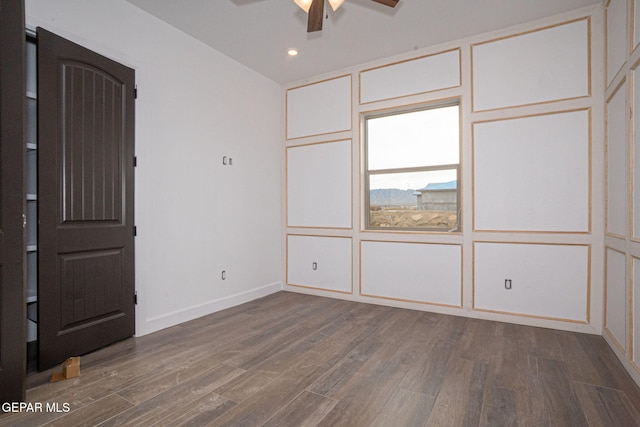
223 275
507 283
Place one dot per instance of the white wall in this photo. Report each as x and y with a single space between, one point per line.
195 217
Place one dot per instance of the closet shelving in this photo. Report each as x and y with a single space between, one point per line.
31 147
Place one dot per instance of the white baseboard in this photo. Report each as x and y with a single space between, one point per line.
153 324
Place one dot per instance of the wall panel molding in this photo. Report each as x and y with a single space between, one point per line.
420 75
533 173
542 65
319 108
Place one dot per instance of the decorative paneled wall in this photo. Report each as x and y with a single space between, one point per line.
319 262
415 272
319 185
636 21
617 44
635 152
543 65
532 145
527 172
541 280
617 160
622 198
635 308
616 298
527 167
420 75
319 108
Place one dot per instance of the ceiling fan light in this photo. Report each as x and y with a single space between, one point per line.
335 4
304 4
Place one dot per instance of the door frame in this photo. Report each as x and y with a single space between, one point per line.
13 357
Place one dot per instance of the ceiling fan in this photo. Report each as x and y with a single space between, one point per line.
315 10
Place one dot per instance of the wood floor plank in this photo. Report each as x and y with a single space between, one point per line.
583 366
286 358
404 408
401 333
428 373
333 381
331 349
306 410
323 314
609 368
560 402
530 399
279 325
450 328
606 407
260 407
364 395
91 415
478 340
191 366
294 359
246 384
499 408
459 402
199 413
508 364
30 419
88 415
335 325
156 409
546 343
269 347
125 349
225 331
412 348
102 380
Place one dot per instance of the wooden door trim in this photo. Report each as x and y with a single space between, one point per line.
12 201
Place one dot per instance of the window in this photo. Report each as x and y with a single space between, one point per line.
412 169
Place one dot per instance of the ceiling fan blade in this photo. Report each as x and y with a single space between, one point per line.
316 15
390 3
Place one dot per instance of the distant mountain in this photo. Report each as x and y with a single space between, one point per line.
392 197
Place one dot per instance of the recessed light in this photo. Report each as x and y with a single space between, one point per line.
292 52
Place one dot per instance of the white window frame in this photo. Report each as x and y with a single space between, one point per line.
368 173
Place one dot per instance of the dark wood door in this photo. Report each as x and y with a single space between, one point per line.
12 201
85 194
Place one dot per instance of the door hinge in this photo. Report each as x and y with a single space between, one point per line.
135 92
135 298
135 161
135 231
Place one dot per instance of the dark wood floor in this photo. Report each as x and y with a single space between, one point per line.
297 360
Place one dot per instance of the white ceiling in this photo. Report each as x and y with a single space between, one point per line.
258 33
